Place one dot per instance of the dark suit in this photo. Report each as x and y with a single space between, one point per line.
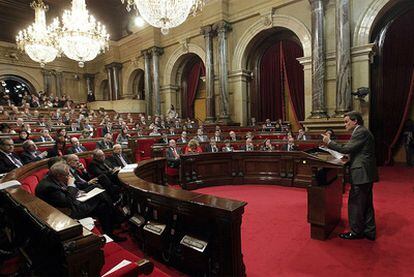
285 147
104 145
209 148
106 130
79 149
97 168
62 196
6 165
115 160
43 139
171 160
108 179
363 172
28 157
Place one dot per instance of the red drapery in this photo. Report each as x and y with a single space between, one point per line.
193 81
278 65
270 98
294 77
392 99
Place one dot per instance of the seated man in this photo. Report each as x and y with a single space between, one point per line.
118 159
290 146
100 165
212 147
30 153
233 136
267 145
106 142
200 136
164 139
8 159
155 132
59 190
173 155
301 135
249 145
76 146
183 138
227 146
45 136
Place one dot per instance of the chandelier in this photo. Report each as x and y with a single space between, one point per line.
82 37
40 41
165 14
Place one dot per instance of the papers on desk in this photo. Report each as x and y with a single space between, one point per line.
122 264
107 238
9 184
128 168
334 153
87 222
86 196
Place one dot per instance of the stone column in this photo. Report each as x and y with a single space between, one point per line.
343 58
147 80
318 60
110 83
222 28
58 79
116 74
208 33
46 81
156 53
90 83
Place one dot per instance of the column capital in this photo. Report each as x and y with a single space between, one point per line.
222 26
114 65
207 31
146 53
157 51
89 76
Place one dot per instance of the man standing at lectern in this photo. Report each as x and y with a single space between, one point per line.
363 173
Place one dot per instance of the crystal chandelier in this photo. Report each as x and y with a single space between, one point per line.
165 14
82 37
40 41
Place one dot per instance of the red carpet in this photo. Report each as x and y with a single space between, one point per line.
276 239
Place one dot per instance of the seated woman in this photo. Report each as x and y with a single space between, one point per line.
267 146
23 136
58 150
193 147
122 138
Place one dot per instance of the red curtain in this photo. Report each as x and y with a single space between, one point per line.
278 65
294 77
392 98
270 100
193 81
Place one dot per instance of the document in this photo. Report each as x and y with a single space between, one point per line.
122 264
128 168
86 196
87 222
334 153
9 184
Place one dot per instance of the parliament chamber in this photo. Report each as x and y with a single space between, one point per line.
206 137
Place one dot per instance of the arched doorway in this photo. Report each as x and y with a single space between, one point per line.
392 77
103 91
277 87
15 88
192 86
138 84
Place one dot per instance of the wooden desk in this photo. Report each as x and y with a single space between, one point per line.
216 220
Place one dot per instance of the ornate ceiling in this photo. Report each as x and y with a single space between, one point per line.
17 14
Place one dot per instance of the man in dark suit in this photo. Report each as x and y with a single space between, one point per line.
8 160
118 159
107 129
212 147
290 146
59 190
30 153
249 146
363 173
76 147
100 165
173 154
106 142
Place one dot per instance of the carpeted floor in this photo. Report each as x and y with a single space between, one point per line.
276 239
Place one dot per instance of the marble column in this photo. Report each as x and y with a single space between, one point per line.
156 53
343 58
208 33
110 84
222 28
116 75
147 80
318 60
58 79
90 83
46 81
